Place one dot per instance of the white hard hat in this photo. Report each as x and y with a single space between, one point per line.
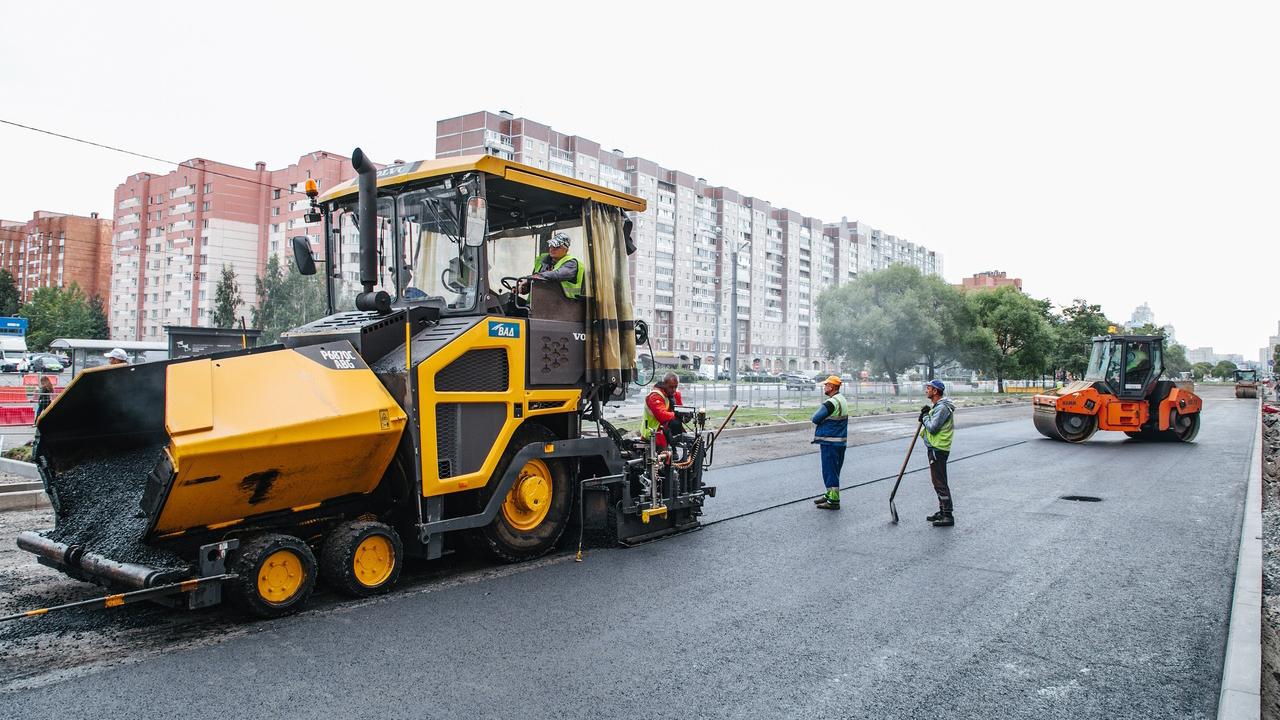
558 240
117 354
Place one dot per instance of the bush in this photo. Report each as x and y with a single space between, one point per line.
21 452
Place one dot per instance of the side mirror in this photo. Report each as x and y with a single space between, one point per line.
627 226
477 221
302 257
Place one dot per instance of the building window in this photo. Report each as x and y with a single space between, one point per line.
275 194
275 211
208 187
205 207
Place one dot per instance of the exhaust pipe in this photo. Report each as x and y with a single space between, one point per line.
367 205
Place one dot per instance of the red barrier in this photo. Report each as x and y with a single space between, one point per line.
13 395
17 415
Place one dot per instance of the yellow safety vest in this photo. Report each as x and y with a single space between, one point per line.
572 288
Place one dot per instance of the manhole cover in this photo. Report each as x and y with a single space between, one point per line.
1082 498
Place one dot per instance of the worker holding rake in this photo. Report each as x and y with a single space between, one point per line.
936 426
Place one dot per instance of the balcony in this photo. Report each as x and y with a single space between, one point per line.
183 191
498 141
127 203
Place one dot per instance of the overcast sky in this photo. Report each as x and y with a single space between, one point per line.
1116 151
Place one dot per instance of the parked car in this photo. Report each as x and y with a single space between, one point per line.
12 363
797 381
46 363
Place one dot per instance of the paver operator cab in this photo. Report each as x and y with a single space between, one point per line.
434 404
1121 390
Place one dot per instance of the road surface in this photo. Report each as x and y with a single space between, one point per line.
1031 607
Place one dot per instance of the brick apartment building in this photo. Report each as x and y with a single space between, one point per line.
681 273
988 280
54 250
173 233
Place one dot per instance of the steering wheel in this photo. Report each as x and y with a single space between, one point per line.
510 283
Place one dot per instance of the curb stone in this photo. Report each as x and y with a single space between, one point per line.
1241 695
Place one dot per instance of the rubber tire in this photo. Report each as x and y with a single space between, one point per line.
243 591
503 542
337 557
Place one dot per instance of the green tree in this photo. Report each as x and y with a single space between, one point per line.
879 318
946 323
1175 360
1224 369
55 312
226 299
1201 370
1073 334
100 330
1011 336
286 300
8 295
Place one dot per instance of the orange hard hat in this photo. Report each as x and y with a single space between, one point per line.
833 380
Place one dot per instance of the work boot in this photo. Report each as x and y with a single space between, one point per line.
934 517
830 501
946 520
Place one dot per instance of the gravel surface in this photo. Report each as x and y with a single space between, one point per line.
99 508
1271 566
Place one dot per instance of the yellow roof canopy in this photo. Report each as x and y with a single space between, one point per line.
506 169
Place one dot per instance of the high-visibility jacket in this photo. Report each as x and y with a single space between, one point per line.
832 420
655 418
939 425
573 286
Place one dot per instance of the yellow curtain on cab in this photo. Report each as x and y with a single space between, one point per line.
611 338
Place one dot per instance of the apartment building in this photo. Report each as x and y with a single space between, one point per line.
56 249
682 271
173 233
988 280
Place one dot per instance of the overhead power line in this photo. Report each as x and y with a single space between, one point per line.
147 157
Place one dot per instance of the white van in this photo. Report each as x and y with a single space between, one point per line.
13 353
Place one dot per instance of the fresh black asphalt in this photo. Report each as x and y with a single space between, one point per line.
1031 607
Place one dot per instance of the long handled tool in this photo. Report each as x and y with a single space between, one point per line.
893 509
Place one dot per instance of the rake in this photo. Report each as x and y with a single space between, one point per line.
893 509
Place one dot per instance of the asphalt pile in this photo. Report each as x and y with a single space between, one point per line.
99 507
1270 564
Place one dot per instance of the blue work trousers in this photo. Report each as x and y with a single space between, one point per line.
832 461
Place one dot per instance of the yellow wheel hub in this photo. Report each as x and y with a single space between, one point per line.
280 576
529 500
374 560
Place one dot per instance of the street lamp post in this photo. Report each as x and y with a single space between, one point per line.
733 327
716 354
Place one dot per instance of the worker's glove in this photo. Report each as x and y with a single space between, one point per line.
924 412
536 276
